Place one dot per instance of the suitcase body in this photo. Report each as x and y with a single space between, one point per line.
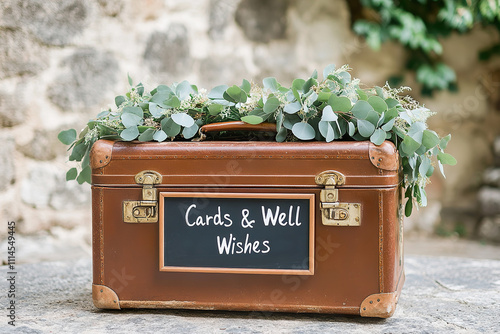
216 225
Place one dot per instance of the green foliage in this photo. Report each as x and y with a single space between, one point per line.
335 108
419 26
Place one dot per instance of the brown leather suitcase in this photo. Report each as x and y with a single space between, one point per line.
216 225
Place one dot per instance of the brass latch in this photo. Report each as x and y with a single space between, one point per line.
145 211
333 212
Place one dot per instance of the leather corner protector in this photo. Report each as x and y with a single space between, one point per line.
379 305
384 156
105 298
100 155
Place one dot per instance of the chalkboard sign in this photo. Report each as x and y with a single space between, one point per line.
237 233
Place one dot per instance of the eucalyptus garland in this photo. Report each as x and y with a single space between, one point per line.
335 108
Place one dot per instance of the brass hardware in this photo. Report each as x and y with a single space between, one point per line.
145 211
333 212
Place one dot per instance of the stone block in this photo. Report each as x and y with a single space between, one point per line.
489 229
41 182
221 13
489 201
54 22
262 20
87 75
496 151
19 55
7 166
12 109
168 52
111 7
44 146
491 177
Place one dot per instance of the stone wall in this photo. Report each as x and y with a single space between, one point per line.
61 62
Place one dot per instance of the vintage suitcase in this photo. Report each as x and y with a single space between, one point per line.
251 226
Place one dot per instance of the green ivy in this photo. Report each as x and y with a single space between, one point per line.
419 26
334 108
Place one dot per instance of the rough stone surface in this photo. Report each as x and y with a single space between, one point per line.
88 74
221 71
221 13
111 7
492 177
489 199
7 166
262 20
168 52
42 181
54 22
489 228
440 295
19 55
496 150
12 109
44 146
69 196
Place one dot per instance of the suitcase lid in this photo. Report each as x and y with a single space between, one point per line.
245 164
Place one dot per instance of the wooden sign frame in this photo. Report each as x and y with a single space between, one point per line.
310 197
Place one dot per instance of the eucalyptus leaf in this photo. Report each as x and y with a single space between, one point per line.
170 127
215 109
183 119
160 96
134 111
365 128
446 159
281 135
183 90
292 108
78 151
323 128
271 84
290 121
444 142
217 92
341 103
388 126
271 105
155 110
160 136
409 145
378 137
84 176
362 95
129 120
298 85
67 137
377 103
309 83
441 168
71 174
424 166
361 109
408 207
328 114
416 131
246 86
252 119
130 133
191 131
429 139
324 96
172 102
147 135
329 69
391 103
119 100
303 131
352 129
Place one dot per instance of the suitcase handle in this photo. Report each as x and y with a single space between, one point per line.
236 126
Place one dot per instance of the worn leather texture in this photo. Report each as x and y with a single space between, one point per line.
351 263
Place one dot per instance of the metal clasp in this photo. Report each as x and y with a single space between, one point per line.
145 211
333 212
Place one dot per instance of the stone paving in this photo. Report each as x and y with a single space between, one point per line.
441 295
